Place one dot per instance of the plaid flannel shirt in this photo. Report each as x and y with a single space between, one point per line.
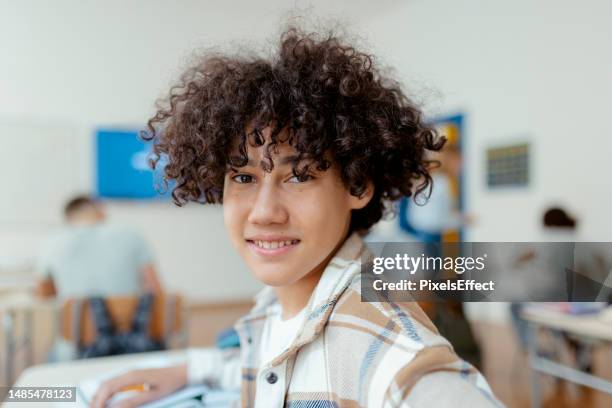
350 353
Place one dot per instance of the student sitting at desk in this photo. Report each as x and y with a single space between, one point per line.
305 150
90 257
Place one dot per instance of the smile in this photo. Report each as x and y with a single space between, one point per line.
272 247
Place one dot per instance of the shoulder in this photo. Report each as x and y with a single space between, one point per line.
462 388
395 346
406 318
58 239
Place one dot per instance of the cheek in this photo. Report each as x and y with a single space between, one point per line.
323 216
233 216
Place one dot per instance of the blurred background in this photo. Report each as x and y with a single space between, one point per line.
521 88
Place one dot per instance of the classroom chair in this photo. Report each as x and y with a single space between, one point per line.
167 321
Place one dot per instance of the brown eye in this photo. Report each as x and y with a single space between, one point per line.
300 178
242 178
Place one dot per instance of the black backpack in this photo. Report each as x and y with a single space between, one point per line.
109 342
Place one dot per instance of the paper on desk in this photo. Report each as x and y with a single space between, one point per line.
196 396
87 388
189 397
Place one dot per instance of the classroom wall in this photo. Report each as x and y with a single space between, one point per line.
520 70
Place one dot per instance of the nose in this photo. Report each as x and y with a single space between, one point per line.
268 207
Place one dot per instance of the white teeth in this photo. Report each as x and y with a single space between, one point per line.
274 244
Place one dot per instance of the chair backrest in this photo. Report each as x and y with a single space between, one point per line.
76 321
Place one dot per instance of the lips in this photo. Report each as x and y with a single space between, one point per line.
271 246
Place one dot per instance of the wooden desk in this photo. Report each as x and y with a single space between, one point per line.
588 327
72 372
591 326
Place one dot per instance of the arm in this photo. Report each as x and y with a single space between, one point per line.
436 377
444 389
212 366
45 285
143 258
45 288
149 280
161 382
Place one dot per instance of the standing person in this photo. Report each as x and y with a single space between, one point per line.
440 212
305 150
90 257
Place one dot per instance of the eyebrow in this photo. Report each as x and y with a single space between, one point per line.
283 161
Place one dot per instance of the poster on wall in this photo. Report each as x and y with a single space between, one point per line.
508 166
439 218
122 170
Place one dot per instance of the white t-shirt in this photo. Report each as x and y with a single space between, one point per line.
277 336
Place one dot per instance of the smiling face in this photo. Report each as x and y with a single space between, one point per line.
284 227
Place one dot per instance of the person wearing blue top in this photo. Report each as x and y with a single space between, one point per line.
91 257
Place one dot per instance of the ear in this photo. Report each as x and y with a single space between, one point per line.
357 203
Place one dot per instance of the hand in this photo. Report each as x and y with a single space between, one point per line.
161 382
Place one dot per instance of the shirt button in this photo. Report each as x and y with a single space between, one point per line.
271 378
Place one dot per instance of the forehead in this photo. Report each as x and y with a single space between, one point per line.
269 149
282 154
260 148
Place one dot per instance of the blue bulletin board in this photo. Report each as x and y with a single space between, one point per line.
122 170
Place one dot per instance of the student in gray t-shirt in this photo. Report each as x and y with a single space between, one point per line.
90 257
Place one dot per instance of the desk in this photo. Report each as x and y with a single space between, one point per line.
591 327
72 372
12 307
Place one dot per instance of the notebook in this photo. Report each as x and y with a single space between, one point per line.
189 397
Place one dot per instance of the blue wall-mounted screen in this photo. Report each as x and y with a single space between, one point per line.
122 170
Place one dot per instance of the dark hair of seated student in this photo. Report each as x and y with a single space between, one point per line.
557 217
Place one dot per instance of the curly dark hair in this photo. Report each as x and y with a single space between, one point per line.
329 97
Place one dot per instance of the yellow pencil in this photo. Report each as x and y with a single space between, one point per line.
135 387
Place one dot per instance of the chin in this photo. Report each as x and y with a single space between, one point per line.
273 276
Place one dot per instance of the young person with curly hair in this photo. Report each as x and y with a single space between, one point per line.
306 150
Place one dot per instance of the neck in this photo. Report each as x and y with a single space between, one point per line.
83 223
294 297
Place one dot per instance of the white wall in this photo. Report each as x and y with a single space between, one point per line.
517 69
535 70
